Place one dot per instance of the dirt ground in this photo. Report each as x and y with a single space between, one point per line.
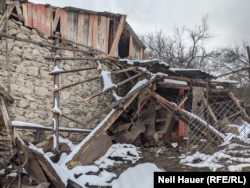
168 158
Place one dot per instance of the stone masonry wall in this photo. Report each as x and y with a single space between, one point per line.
30 82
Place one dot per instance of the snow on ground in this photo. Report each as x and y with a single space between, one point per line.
129 178
99 174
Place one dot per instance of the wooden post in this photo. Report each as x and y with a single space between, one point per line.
248 56
142 53
181 128
56 103
131 46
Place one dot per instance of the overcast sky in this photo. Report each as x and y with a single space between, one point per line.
228 20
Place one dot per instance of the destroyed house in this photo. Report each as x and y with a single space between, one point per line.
83 75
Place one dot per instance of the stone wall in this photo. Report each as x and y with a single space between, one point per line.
30 83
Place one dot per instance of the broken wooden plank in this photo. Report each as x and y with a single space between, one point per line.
130 136
74 156
48 169
141 131
96 149
29 162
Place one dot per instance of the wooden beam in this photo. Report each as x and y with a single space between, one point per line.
82 58
174 85
236 101
48 169
131 46
49 129
19 11
124 70
118 35
211 112
9 130
129 79
69 71
119 102
31 165
77 83
25 13
186 116
109 89
141 53
56 20
6 15
73 158
56 103
46 44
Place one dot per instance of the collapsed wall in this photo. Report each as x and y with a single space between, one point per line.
25 69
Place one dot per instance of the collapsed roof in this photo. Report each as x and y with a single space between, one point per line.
152 104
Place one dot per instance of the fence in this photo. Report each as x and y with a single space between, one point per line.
218 132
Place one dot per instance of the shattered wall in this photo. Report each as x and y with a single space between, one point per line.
31 85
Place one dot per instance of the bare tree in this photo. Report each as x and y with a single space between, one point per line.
233 62
184 49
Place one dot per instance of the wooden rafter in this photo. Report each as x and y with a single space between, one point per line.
118 34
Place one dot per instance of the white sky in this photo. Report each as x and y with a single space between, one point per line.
228 20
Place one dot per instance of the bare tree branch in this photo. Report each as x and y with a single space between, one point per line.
184 49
